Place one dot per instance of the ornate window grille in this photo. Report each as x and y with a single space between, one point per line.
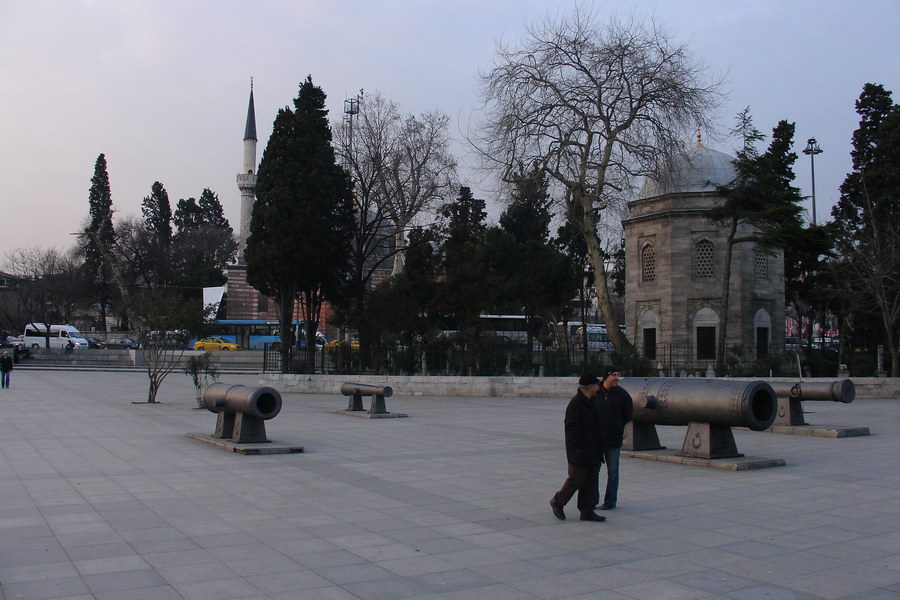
761 265
648 263
704 252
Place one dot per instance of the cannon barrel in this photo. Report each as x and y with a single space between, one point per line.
841 390
260 402
362 389
680 401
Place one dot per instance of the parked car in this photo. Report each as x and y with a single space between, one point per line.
94 343
334 344
20 350
215 343
123 342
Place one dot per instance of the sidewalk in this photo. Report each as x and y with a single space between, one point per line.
104 499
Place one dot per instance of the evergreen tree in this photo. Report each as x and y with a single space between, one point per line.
528 215
299 244
867 216
204 242
99 237
157 213
187 215
461 294
211 210
760 205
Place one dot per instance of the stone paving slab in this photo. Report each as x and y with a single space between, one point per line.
108 500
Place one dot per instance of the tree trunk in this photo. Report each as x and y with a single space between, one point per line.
151 393
400 256
726 296
588 226
285 316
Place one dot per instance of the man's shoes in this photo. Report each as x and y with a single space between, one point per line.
592 516
558 511
607 506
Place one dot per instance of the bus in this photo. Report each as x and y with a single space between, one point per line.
506 328
597 338
254 334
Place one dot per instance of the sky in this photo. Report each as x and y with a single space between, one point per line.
161 86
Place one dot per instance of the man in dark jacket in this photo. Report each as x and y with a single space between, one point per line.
6 366
615 408
583 445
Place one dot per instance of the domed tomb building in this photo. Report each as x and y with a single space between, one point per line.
675 261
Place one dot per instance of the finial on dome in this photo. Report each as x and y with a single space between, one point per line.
699 138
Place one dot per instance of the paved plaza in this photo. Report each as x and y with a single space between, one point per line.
104 499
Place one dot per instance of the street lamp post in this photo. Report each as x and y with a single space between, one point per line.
812 148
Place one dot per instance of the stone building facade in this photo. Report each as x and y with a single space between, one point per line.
676 264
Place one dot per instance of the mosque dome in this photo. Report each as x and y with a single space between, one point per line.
700 170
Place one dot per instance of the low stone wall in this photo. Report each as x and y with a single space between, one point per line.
418 385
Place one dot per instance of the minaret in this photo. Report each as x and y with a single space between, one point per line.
246 179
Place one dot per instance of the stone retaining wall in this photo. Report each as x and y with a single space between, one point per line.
418 385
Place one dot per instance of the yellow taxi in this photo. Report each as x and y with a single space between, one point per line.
335 344
215 343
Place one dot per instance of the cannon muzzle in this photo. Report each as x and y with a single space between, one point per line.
260 402
841 390
680 401
242 411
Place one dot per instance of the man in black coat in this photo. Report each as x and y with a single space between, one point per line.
616 409
582 425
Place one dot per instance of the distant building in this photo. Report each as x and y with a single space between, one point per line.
676 260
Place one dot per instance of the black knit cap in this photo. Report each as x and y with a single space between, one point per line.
609 371
588 380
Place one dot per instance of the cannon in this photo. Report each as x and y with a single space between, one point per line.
357 390
242 411
710 408
790 412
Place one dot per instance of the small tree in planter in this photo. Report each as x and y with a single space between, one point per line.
201 370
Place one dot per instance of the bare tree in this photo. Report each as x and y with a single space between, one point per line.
50 283
365 146
401 164
596 105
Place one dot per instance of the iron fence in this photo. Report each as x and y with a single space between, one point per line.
444 357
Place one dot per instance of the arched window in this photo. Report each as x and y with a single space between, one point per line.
648 263
704 257
761 265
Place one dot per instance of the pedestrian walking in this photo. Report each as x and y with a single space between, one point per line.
616 408
583 444
6 366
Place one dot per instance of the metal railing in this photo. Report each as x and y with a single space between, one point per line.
443 357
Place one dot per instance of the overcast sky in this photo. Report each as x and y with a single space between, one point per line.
161 86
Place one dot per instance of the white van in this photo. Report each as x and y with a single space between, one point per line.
35 336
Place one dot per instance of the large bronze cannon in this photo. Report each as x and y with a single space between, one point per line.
242 411
357 390
709 407
790 412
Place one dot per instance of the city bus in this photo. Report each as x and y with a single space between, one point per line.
254 334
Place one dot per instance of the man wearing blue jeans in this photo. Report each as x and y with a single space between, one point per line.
615 408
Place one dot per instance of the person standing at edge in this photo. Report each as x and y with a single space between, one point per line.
6 365
582 426
615 408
